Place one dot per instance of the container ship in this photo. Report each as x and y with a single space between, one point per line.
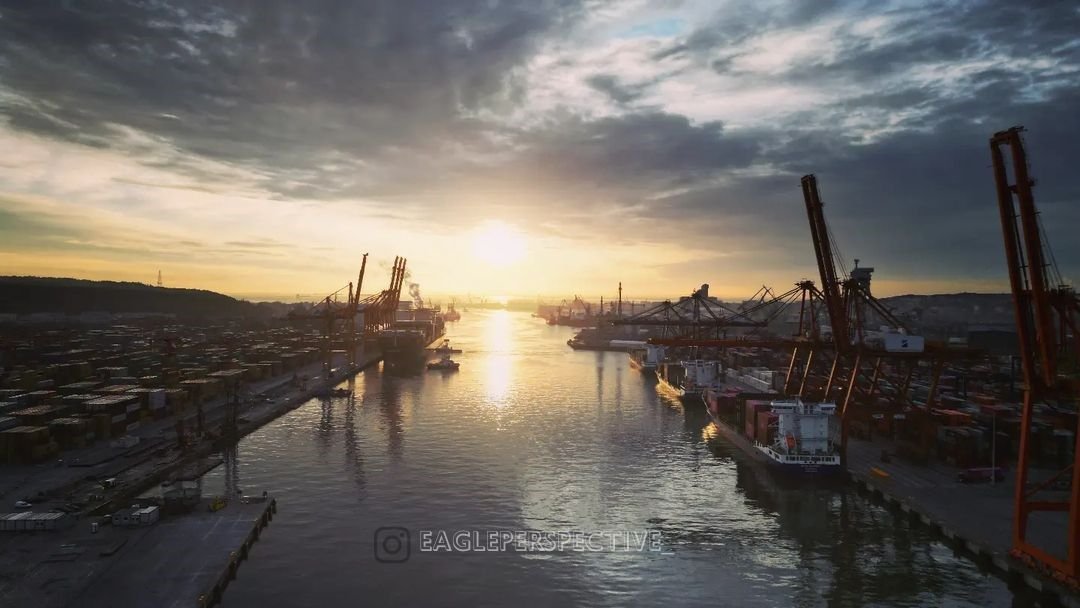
689 378
788 435
575 314
403 347
415 328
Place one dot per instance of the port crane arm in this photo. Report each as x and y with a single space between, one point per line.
830 284
693 311
1037 305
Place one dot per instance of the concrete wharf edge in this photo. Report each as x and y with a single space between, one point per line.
1003 565
211 596
134 488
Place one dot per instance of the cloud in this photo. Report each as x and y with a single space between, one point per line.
652 123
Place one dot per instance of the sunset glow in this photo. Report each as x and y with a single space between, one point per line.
497 244
656 144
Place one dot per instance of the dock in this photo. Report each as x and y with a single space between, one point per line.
185 561
975 519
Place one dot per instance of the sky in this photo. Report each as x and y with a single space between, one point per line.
526 147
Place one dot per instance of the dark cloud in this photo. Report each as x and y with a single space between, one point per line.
330 99
613 88
642 152
269 84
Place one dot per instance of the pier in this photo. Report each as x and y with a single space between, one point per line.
186 560
970 517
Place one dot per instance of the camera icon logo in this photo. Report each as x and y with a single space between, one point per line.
392 545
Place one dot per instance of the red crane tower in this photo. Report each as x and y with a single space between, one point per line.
1045 311
377 310
852 310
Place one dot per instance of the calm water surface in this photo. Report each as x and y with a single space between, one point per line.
532 435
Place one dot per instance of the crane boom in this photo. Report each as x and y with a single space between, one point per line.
830 284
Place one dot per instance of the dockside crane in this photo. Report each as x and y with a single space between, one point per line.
377 312
893 356
1046 312
694 317
756 319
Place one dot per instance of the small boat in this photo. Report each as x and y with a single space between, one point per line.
445 364
446 349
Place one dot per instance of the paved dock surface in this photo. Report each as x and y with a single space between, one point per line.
177 561
977 516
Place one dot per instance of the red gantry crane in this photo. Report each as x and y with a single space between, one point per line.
699 321
854 314
1046 312
376 310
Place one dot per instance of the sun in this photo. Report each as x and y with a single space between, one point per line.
498 244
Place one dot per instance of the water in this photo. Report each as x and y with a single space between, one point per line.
531 435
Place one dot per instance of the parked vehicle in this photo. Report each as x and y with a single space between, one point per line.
981 475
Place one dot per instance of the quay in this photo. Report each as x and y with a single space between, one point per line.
138 469
184 560
969 517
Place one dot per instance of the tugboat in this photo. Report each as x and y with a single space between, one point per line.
446 349
445 364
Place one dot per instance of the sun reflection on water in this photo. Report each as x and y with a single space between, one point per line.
498 367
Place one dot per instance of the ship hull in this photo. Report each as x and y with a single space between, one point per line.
565 322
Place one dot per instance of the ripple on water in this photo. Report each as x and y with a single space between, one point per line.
531 435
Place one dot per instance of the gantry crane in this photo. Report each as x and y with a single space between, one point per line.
377 310
851 308
697 316
701 322
1045 311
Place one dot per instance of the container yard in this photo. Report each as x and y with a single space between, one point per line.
95 416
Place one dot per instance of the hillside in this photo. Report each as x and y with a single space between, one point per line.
23 295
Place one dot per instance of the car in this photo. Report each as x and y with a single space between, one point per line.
108 483
22 504
981 475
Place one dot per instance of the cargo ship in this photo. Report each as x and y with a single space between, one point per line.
689 379
451 313
788 435
403 347
575 314
415 328
646 358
